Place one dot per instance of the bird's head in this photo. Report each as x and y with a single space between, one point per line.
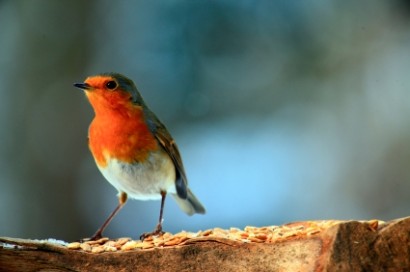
111 91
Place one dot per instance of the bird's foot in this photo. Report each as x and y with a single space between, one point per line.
158 231
95 237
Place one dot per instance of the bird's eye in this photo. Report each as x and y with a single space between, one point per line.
111 85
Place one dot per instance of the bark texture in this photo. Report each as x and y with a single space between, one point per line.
345 246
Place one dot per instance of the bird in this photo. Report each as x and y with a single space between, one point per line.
133 149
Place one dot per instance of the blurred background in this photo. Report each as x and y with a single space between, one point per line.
283 110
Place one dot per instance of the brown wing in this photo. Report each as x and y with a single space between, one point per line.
168 144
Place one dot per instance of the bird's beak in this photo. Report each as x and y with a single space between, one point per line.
83 86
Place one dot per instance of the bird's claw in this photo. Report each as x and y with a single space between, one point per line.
157 232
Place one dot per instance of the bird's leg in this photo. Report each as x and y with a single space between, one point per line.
158 228
122 199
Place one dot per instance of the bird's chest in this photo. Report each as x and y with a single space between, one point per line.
130 158
128 140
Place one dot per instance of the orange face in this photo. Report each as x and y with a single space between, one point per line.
119 129
105 95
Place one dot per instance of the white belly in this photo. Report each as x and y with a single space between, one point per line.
142 181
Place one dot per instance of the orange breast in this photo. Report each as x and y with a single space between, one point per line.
120 134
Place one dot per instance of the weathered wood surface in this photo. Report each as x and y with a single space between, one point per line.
345 246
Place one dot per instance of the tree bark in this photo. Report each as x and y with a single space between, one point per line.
302 246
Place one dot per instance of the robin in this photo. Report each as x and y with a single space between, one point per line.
133 149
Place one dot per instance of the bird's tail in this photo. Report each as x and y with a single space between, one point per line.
191 204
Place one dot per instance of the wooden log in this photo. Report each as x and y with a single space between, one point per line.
301 246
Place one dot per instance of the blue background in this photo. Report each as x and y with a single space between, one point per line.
283 110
